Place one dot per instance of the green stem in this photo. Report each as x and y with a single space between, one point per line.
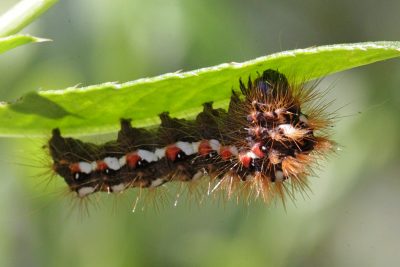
22 14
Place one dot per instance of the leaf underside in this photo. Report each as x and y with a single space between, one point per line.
97 109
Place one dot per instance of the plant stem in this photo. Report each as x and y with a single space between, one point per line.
22 14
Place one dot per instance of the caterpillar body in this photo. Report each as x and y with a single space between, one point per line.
263 146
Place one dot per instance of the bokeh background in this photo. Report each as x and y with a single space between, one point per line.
350 219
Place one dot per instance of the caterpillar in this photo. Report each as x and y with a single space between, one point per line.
264 146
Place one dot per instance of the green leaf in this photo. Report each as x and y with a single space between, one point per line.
97 109
10 42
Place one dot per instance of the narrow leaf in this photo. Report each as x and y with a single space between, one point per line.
10 42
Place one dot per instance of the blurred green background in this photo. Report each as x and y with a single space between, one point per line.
350 219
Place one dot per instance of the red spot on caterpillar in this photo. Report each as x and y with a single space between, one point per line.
245 159
101 165
225 152
132 159
256 149
74 167
171 152
204 148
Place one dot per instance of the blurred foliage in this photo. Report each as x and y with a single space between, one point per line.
351 217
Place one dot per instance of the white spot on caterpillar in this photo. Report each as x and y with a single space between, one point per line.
84 191
288 129
279 176
94 165
146 155
292 132
157 182
234 150
122 161
251 154
185 147
85 167
118 188
112 163
195 146
214 144
160 153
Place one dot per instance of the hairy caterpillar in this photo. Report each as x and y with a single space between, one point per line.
264 146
